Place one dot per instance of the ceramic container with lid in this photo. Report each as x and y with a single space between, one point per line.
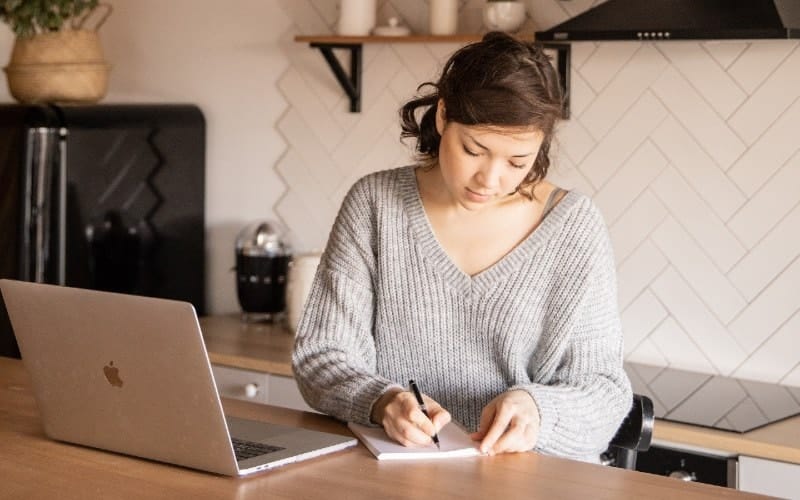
443 17
356 17
302 270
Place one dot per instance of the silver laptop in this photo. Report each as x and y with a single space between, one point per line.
131 375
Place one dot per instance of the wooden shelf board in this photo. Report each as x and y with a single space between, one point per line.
336 39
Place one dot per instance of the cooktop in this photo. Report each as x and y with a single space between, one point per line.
716 401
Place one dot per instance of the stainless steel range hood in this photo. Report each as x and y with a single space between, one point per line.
681 20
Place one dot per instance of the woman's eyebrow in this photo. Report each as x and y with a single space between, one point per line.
487 149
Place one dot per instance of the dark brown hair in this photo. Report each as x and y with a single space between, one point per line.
497 82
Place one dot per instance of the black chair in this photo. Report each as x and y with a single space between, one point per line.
633 436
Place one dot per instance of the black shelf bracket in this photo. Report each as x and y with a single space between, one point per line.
350 83
563 52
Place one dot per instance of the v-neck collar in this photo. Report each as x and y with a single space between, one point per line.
441 262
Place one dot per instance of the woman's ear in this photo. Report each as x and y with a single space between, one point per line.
440 116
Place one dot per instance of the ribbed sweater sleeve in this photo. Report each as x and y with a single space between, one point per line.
334 354
588 394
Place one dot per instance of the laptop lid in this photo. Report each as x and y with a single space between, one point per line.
130 374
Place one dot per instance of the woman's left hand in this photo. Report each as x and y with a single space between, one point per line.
509 423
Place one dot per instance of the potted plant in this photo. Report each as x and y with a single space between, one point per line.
55 57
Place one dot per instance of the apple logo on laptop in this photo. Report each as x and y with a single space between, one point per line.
112 374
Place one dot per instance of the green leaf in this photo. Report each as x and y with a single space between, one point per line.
28 17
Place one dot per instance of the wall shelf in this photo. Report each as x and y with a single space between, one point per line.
351 82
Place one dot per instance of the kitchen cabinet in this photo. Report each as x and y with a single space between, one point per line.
246 385
283 391
258 387
252 361
769 477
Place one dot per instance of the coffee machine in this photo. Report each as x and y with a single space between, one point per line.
262 265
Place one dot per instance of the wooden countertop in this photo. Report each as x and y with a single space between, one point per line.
268 348
33 466
778 441
262 347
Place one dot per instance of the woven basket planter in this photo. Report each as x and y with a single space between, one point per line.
64 66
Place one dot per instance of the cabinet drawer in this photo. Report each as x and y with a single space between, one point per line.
283 391
769 477
241 384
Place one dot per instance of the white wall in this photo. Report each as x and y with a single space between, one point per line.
688 148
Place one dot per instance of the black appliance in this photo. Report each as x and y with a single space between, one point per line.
107 197
262 265
690 465
715 401
681 20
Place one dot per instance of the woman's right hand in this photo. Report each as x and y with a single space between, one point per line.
402 419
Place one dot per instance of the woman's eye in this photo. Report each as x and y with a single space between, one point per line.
517 166
471 153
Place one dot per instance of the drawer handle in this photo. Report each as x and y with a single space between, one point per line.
251 390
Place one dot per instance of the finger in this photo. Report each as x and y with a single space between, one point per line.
422 421
403 419
434 417
498 427
512 440
415 435
487 417
423 425
406 433
435 410
441 418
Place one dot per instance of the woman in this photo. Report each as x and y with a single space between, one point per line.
473 275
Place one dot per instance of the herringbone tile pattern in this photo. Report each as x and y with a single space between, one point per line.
690 149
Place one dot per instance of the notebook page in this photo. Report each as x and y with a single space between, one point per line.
455 442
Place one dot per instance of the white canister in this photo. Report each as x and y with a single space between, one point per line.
443 17
356 17
301 275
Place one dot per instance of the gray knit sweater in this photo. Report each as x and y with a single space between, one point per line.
388 305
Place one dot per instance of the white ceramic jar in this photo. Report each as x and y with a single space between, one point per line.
301 275
505 15
356 17
443 17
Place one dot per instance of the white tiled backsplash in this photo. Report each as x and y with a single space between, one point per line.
690 149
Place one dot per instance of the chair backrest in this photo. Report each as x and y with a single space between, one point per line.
633 436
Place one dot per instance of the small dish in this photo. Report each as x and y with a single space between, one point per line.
394 28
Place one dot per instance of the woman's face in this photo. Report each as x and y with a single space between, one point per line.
482 166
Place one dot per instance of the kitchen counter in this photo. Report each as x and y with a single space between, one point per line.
261 347
776 441
268 348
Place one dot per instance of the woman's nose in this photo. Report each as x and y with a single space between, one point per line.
489 174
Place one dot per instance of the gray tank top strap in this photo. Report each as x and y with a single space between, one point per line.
551 201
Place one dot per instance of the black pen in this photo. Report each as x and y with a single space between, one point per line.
417 395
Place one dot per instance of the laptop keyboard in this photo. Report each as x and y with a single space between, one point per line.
249 449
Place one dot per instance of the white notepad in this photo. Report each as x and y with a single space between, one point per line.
454 441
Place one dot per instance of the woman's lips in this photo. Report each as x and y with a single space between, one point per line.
478 197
